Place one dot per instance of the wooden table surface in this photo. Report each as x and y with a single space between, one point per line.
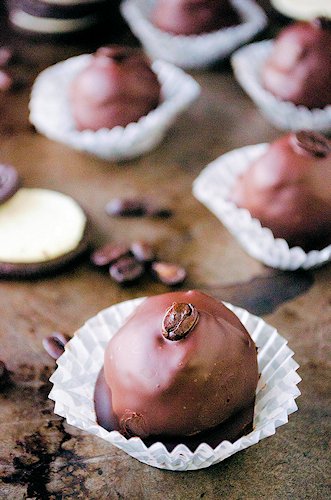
43 457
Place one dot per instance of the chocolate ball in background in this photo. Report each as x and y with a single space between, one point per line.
182 363
299 67
289 189
117 87
193 17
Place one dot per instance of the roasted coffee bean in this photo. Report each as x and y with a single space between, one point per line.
136 207
153 210
179 320
108 254
126 270
4 375
323 23
126 207
169 274
6 81
142 251
54 344
9 182
312 143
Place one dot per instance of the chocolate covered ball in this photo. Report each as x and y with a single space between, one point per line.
182 363
193 17
117 87
299 67
289 189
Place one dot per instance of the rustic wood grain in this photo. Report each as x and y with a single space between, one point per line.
40 455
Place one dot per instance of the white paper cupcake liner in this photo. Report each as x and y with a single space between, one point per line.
50 111
213 187
78 368
247 65
194 51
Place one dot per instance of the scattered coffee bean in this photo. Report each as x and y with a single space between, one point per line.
126 270
156 211
4 375
6 55
108 254
126 207
6 81
168 274
143 251
54 344
136 207
312 143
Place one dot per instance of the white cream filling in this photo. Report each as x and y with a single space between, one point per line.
304 9
37 225
25 21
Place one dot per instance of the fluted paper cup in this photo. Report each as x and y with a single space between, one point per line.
78 368
50 111
213 187
247 65
194 51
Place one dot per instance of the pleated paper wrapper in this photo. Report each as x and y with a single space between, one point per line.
50 111
74 382
247 65
193 51
213 187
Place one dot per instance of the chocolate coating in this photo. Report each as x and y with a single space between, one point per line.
162 387
289 189
193 17
299 67
116 88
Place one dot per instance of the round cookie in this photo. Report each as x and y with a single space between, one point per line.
47 17
40 231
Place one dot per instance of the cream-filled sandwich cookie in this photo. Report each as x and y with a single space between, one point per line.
40 231
303 9
50 17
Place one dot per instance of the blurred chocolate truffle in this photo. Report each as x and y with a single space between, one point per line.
289 189
193 17
117 87
299 67
182 363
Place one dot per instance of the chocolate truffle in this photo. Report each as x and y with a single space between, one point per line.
182 363
193 17
299 67
289 189
117 87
